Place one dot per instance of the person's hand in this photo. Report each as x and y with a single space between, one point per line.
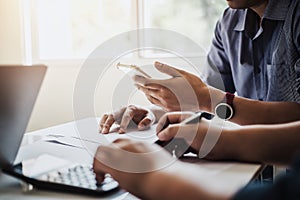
132 164
148 171
206 138
182 92
169 127
132 115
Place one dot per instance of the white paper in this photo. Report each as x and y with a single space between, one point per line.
84 133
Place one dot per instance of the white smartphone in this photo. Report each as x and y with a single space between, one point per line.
128 68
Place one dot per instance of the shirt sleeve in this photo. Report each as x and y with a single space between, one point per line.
286 186
217 71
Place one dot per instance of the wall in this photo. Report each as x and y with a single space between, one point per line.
55 101
10 34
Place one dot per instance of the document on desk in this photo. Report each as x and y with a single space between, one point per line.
84 133
98 138
77 141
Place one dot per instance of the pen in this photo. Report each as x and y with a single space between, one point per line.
193 119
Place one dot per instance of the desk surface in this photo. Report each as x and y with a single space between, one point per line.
225 177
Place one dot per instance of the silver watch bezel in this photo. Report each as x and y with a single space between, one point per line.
228 106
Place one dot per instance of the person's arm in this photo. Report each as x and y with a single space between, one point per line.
274 144
156 181
166 184
187 92
248 111
149 172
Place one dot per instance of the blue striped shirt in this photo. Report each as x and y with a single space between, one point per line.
258 61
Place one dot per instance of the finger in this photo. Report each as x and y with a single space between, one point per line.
168 133
127 117
143 81
154 101
150 91
100 176
162 123
119 113
124 144
171 118
101 164
118 142
107 157
152 86
129 146
145 123
151 98
102 121
140 80
107 124
167 69
149 87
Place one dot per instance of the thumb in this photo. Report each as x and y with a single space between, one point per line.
167 69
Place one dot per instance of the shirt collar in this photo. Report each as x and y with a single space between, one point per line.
276 10
240 25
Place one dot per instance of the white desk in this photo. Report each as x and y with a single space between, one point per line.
226 177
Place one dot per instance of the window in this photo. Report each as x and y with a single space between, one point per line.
72 29
195 19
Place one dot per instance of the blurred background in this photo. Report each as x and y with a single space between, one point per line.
63 33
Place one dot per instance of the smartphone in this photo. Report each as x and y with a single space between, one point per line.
128 68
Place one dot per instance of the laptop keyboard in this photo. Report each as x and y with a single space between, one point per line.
81 176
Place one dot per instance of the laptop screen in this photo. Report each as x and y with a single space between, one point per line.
19 87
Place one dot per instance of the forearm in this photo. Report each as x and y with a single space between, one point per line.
172 185
274 144
247 111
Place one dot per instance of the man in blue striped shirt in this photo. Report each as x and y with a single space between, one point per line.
257 51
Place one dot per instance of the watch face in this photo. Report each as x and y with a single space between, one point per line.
224 111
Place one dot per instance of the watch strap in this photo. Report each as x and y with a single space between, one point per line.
229 98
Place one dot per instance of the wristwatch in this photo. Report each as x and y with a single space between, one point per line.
224 109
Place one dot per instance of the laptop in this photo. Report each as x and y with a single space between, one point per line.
19 87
